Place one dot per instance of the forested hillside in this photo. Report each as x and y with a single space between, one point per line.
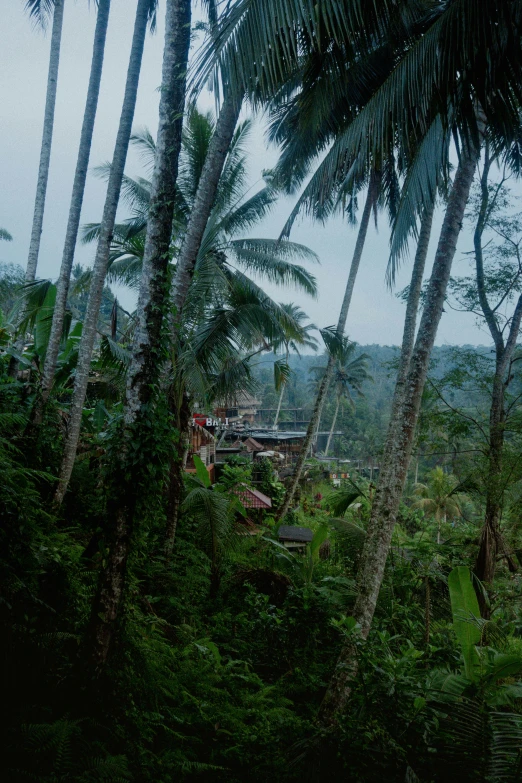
235 545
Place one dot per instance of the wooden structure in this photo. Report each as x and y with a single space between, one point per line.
295 538
203 444
234 412
286 443
250 444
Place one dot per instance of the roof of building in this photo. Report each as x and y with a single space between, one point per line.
260 435
253 444
294 533
252 498
246 400
249 444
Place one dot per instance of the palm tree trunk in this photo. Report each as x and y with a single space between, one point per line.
439 522
101 260
283 385
204 200
146 364
412 308
186 262
153 298
276 419
399 443
47 140
75 208
175 482
45 159
317 430
332 427
371 198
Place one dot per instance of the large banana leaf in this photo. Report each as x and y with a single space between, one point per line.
465 611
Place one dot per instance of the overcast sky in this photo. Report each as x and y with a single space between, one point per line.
376 315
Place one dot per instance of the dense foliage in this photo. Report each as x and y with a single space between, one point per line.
156 623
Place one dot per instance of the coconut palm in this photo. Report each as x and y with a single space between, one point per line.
40 11
204 198
313 425
453 77
145 14
235 212
149 316
225 313
349 375
75 208
439 497
293 342
225 310
385 119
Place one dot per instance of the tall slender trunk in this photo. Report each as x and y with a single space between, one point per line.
45 159
47 140
278 411
317 430
147 350
101 260
439 523
399 442
371 198
186 262
332 427
175 482
154 295
205 197
73 223
412 309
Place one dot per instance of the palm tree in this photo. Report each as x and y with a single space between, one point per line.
294 341
348 377
400 437
151 309
225 311
40 10
145 12
205 197
452 76
153 301
75 208
371 200
439 497
354 148
235 213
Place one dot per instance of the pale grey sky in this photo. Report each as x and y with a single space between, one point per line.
376 315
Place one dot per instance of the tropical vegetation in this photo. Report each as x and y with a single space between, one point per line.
353 613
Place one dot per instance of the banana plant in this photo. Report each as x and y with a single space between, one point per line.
477 737
302 566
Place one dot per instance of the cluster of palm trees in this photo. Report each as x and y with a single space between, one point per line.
379 94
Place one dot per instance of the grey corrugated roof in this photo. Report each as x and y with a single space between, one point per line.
294 533
260 435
